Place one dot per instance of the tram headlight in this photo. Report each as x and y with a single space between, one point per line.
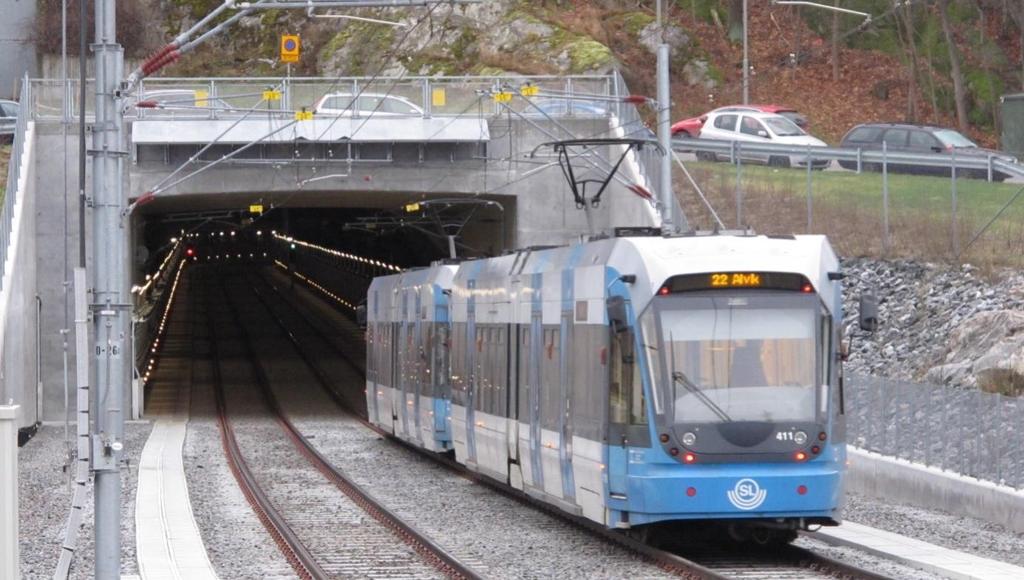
689 438
800 437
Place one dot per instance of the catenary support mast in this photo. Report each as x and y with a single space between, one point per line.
109 301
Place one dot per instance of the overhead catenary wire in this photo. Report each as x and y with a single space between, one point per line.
152 194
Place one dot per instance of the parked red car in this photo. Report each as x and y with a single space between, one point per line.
691 127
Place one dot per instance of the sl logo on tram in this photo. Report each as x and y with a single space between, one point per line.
746 494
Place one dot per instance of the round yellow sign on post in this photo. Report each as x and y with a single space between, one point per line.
290 47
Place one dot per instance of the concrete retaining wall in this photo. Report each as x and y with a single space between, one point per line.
18 310
900 481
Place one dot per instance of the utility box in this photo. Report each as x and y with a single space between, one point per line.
9 491
1011 137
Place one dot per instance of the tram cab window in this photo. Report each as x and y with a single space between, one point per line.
625 389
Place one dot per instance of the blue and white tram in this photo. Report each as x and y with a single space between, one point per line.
407 384
640 380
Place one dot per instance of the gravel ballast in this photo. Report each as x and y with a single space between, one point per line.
236 541
955 532
44 501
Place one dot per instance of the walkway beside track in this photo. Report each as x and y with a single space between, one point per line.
917 554
166 534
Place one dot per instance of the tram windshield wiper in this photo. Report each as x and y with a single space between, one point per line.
679 377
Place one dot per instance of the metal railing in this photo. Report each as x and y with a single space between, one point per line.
859 159
435 96
13 176
964 431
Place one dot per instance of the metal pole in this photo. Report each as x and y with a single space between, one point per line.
110 303
746 59
885 197
810 186
81 132
739 186
955 230
665 139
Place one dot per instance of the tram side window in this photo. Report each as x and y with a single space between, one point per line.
590 380
551 379
525 379
426 357
384 375
440 364
482 398
618 388
492 355
371 350
458 360
500 373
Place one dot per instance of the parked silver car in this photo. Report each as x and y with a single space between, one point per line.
8 120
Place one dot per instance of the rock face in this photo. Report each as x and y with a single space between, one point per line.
487 38
987 350
938 323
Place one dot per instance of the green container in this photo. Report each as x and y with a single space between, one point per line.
1011 139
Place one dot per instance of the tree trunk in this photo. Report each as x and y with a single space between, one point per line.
905 21
835 43
959 94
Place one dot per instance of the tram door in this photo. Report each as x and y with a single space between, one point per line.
621 365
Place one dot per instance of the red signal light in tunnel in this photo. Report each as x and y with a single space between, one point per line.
190 251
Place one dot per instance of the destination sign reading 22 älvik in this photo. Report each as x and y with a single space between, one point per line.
736 280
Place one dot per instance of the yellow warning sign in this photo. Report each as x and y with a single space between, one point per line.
256 208
303 115
412 208
201 98
529 90
271 95
503 97
290 47
438 97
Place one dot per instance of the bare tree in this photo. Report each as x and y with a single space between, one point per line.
959 94
906 33
1017 12
835 43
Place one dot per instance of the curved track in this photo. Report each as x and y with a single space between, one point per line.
321 532
691 560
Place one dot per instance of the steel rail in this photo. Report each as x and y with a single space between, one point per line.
801 558
432 552
294 551
666 560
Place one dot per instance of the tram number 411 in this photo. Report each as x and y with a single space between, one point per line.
114 350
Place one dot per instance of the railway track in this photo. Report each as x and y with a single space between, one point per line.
315 514
695 561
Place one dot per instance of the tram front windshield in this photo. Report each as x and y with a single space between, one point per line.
722 357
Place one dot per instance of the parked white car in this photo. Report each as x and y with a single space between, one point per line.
754 127
378 105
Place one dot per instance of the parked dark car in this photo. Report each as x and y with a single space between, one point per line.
900 138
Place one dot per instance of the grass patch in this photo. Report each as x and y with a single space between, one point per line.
5 160
849 208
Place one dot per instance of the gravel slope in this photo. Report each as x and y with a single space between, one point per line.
44 497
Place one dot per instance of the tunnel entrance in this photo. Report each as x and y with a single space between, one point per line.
332 245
